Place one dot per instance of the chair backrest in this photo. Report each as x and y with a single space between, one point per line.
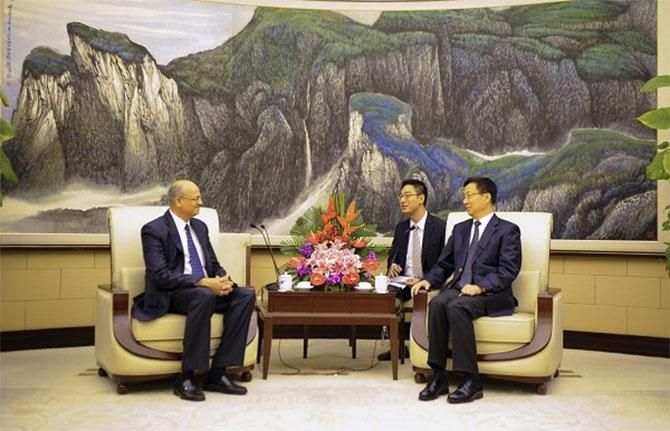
535 243
125 224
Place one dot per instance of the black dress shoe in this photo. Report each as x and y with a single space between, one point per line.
187 390
222 383
386 356
466 392
434 388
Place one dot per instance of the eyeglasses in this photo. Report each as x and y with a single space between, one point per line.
195 199
470 195
407 195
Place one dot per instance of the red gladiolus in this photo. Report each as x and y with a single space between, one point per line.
296 261
312 237
317 279
370 265
359 243
351 278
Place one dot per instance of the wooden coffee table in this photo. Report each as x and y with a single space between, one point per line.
307 308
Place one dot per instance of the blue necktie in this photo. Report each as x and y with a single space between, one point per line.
466 277
196 265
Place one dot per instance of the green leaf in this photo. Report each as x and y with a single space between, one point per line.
656 119
6 131
656 82
655 170
6 168
663 145
666 161
5 101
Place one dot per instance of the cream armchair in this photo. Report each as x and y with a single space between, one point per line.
526 346
128 350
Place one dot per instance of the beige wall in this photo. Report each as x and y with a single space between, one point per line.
50 288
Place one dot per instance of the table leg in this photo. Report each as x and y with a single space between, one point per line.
260 339
267 344
394 348
305 341
352 341
402 340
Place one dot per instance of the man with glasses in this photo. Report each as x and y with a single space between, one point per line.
183 276
417 241
484 256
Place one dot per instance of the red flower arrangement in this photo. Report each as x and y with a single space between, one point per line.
332 248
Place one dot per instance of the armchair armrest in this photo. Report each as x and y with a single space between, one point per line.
124 336
541 337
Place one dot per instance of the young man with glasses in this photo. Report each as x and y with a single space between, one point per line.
417 240
183 276
484 256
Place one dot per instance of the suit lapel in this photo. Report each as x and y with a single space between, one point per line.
203 240
486 235
403 244
427 235
172 232
465 242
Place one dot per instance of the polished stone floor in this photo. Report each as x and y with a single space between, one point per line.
59 389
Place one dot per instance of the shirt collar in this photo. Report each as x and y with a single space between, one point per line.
421 224
178 221
485 220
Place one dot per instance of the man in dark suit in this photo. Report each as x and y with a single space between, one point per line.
417 240
484 256
183 276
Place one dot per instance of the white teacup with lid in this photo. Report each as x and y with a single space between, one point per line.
381 283
285 282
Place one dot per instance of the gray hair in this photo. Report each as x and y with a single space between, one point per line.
174 192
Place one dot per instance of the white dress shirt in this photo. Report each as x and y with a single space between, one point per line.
484 222
181 225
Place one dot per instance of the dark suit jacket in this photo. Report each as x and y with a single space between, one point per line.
497 262
432 243
164 261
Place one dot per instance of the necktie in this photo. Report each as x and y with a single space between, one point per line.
466 277
417 269
196 265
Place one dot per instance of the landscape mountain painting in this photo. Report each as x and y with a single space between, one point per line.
298 104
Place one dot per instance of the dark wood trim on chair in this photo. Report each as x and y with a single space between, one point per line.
123 333
538 342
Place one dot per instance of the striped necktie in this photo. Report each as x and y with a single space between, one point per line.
466 277
417 268
196 265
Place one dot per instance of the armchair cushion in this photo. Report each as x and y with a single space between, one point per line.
167 333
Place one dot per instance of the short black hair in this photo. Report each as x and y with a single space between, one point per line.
419 187
484 185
